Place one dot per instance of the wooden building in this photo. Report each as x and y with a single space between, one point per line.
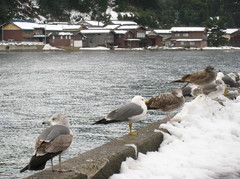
235 39
155 39
21 31
188 37
65 39
97 37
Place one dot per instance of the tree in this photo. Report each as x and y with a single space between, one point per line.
216 27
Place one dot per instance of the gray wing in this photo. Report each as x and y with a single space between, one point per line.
209 88
53 132
123 113
52 140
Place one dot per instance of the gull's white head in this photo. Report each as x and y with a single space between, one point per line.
138 99
58 119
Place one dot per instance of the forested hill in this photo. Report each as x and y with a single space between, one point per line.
152 13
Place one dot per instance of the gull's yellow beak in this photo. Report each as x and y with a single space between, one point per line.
147 101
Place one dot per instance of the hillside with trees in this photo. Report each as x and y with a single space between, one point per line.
152 13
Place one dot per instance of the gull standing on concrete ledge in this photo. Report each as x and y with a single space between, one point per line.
51 142
167 102
130 112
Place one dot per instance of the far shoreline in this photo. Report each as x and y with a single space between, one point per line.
48 48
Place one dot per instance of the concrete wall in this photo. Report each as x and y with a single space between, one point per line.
12 47
104 161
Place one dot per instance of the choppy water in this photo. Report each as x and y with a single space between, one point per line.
85 86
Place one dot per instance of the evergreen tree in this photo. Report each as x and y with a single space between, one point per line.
216 27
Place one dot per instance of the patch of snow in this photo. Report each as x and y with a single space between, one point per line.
204 144
112 13
221 48
94 48
49 47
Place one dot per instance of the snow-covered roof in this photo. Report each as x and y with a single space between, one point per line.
27 25
124 22
95 31
111 26
72 27
162 31
126 27
230 31
49 27
187 29
188 40
132 40
65 33
120 31
94 23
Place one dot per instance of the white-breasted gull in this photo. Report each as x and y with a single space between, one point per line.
130 112
53 141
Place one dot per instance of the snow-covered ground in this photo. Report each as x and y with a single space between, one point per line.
204 144
49 47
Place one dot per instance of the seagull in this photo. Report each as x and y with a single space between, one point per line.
212 90
201 78
130 112
167 102
53 141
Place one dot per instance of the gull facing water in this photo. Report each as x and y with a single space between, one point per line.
130 112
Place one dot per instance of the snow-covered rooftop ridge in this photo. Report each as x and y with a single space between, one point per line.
162 31
27 25
124 27
230 31
94 23
117 22
111 26
189 40
94 31
120 31
187 29
49 27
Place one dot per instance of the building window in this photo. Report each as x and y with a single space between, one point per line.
53 37
185 35
140 35
192 43
69 37
61 37
182 43
177 35
129 36
66 37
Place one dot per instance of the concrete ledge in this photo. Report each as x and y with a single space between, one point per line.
104 161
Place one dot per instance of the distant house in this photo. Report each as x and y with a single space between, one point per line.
73 39
166 35
97 37
233 36
138 39
189 37
20 31
123 39
155 39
